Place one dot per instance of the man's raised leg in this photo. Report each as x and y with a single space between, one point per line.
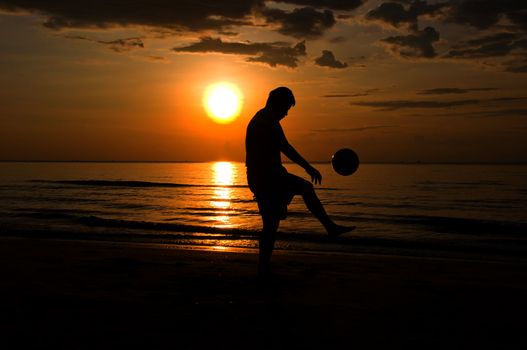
315 206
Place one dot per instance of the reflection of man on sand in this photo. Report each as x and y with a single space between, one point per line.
272 185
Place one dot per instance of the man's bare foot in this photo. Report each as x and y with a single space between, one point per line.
336 230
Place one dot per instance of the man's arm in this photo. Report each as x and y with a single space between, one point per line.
291 153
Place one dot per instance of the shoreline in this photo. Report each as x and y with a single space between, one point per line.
221 248
86 294
508 248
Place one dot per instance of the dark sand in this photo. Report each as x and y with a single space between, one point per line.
98 295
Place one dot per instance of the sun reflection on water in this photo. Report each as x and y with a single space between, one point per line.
223 177
223 173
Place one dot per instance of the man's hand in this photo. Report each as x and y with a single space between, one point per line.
316 177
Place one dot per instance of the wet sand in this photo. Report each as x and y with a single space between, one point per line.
102 295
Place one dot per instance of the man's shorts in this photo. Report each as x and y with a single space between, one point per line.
274 193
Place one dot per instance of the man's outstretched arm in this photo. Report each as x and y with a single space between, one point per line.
291 153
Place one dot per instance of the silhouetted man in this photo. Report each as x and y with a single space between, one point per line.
272 185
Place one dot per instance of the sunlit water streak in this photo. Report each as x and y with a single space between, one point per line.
209 203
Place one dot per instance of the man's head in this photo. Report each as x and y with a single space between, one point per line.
279 101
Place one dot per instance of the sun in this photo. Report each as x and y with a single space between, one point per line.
223 102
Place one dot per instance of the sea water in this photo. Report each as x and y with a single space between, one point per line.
394 206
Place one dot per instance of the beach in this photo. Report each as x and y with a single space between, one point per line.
79 294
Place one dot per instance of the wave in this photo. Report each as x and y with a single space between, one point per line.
83 225
461 225
159 226
425 223
443 224
92 220
192 235
51 213
127 183
463 184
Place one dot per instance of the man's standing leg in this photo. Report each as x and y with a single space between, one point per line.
267 239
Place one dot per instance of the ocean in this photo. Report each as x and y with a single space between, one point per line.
397 208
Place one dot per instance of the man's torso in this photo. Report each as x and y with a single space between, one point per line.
263 143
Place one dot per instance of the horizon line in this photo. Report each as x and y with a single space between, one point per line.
286 162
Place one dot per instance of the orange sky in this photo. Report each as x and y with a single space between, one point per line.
396 81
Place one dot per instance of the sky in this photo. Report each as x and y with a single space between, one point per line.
404 80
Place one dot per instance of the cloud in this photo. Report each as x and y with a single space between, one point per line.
309 20
494 15
413 45
512 45
505 21
494 45
119 45
305 22
372 127
487 13
396 14
494 107
157 59
358 94
346 5
407 104
497 113
517 112
273 53
491 39
338 39
445 91
506 99
328 60
517 68
175 15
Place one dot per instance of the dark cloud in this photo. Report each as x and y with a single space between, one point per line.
305 22
119 45
328 60
227 33
494 16
273 54
310 20
408 104
344 5
506 99
494 45
512 45
176 15
419 44
446 91
484 14
122 45
355 129
488 113
517 68
518 112
338 39
519 17
357 94
517 64
499 113
157 58
403 12
493 38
